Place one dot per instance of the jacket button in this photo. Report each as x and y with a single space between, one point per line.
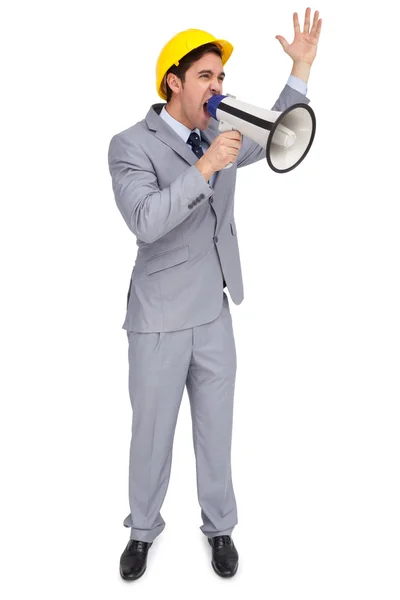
190 205
215 239
201 197
211 200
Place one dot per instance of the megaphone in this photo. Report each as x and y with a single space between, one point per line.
287 135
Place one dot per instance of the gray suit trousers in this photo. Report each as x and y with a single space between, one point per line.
160 365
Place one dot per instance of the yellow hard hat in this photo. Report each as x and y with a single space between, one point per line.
180 45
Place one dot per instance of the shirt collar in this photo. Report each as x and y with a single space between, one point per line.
178 127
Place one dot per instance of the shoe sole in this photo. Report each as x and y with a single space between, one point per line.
132 578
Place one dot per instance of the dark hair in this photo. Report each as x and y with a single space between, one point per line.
186 62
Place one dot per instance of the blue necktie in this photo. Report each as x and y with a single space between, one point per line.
195 141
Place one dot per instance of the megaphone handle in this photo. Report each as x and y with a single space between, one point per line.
224 126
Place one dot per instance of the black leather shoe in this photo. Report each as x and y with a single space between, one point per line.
133 560
225 558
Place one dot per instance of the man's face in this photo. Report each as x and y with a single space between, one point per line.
202 80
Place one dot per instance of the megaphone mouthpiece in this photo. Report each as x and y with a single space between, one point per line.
213 104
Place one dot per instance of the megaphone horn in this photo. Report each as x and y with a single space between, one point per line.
287 135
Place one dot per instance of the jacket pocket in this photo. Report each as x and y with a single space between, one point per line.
167 259
233 228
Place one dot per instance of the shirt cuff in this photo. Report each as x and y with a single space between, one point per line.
297 84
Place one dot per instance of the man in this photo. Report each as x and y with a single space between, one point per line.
172 190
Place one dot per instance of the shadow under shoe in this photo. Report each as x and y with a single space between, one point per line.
225 558
133 560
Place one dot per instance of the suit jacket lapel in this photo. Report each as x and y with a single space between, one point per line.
167 135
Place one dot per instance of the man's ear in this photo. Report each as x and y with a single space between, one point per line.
174 82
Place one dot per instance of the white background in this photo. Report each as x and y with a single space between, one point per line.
316 431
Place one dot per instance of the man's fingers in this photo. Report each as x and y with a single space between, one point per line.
315 23
234 138
306 28
233 144
234 135
296 23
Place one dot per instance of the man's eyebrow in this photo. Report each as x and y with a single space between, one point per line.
210 72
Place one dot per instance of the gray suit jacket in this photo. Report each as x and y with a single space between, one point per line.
185 229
